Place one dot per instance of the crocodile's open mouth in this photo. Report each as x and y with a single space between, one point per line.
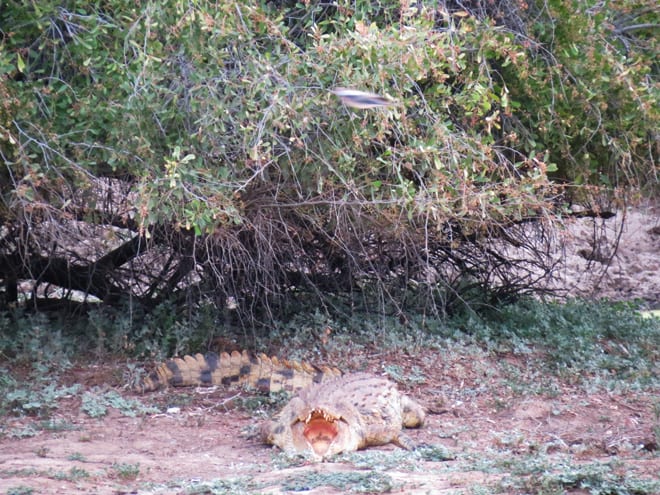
320 431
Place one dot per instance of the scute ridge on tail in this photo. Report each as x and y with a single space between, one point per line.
259 371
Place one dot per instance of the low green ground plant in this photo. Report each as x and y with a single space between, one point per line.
603 342
233 486
96 404
20 490
379 461
414 376
598 478
27 431
38 340
49 341
126 471
72 474
262 404
348 482
58 425
20 399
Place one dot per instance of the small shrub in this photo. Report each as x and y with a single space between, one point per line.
126 472
40 342
73 474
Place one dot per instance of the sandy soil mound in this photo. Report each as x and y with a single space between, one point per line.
631 271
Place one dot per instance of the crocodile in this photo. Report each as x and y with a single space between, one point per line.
344 414
330 412
241 369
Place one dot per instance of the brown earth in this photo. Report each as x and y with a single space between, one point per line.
594 266
495 425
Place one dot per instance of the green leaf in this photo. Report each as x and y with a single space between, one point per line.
20 63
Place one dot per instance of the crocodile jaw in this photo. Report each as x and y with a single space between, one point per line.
322 434
320 431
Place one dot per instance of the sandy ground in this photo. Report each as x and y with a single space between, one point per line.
491 433
629 272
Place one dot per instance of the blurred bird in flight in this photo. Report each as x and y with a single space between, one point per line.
360 99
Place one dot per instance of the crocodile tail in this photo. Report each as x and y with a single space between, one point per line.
267 374
174 372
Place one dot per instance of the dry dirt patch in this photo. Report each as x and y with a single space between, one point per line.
631 271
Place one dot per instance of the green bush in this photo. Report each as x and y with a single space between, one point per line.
201 141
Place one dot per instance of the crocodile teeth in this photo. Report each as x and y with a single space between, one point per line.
315 413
